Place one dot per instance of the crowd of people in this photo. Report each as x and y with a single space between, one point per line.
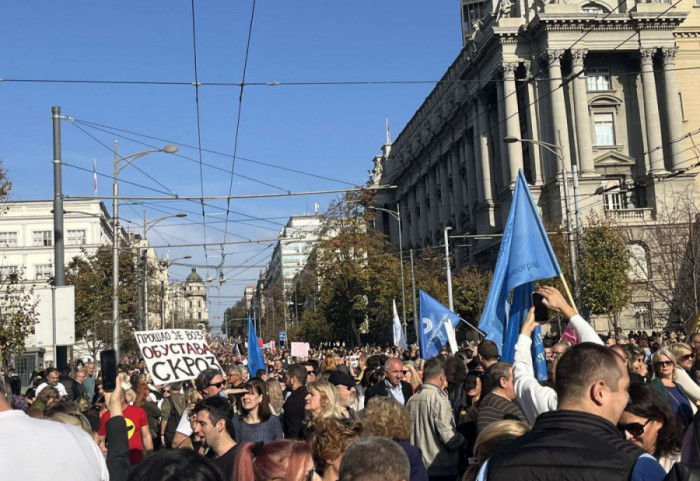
616 407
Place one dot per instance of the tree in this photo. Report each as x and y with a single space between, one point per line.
604 265
470 289
17 318
91 274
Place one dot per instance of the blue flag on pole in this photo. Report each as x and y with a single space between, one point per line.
255 356
433 335
524 257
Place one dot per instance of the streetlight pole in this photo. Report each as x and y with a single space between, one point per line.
449 269
169 149
58 249
397 215
144 271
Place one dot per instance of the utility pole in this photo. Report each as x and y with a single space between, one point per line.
572 250
448 268
415 304
145 275
115 253
58 245
579 227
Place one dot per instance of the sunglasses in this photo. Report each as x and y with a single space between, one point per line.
217 384
310 474
406 372
687 357
635 429
663 363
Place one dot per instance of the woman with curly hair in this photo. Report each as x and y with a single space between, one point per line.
384 416
649 423
328 443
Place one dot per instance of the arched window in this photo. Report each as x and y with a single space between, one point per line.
593 8
639 262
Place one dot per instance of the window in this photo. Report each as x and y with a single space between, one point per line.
471 12
6 271
8 239
598 79
639 264
43 271
76 237
43 238
604 129
592 8
642 313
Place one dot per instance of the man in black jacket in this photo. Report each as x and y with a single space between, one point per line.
393 385
294 412
580 440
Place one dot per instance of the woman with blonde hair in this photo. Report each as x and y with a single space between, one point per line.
490 439
384 416
274 391
411 376
665 384
684 359
321 403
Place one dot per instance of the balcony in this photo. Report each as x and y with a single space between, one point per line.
630 216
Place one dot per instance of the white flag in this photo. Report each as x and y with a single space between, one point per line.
399 340
451 337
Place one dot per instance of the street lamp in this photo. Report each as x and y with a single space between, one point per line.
449 268
168 149
146 227
558 151
397 215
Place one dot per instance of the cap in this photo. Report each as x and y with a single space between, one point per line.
338 378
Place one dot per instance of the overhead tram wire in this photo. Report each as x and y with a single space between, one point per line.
111 130
199 126
238 117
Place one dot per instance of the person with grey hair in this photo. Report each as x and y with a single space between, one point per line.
434 431
498 404
374 458
392 385
209 383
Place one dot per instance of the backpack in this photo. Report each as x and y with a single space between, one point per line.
171 425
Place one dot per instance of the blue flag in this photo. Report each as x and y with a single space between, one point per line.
255 356
433 335
524 257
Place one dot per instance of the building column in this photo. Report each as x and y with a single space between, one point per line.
434 216
470 171
482 134
457 181
533 121
403 205
651 110
445 197
415 217
423 219
512 122
583 118
560 125
673 109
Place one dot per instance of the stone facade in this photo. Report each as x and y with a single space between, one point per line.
583 86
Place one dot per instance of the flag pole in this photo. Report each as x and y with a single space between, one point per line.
568 292
479 331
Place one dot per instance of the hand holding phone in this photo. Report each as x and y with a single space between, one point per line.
108 361
541 311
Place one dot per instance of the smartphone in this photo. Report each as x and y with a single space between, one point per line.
541 311
108 361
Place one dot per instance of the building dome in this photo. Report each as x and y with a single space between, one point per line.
193 277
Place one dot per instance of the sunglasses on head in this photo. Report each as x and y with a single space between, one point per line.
217 384
635 429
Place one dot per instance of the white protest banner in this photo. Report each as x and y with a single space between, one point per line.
300 349
270 346
175 354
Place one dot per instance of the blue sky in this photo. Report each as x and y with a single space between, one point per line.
333 131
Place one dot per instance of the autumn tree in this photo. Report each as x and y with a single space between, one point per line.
604 266
91 274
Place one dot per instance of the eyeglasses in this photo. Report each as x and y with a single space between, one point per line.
663 363
217 384
635 429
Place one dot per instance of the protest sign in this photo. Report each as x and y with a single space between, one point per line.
175 354
300 349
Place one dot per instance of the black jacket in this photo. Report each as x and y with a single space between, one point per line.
566 445
380 389
294 414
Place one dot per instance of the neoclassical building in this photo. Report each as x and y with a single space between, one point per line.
551 88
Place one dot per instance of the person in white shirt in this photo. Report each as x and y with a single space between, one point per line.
52 380
24 440
535 399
